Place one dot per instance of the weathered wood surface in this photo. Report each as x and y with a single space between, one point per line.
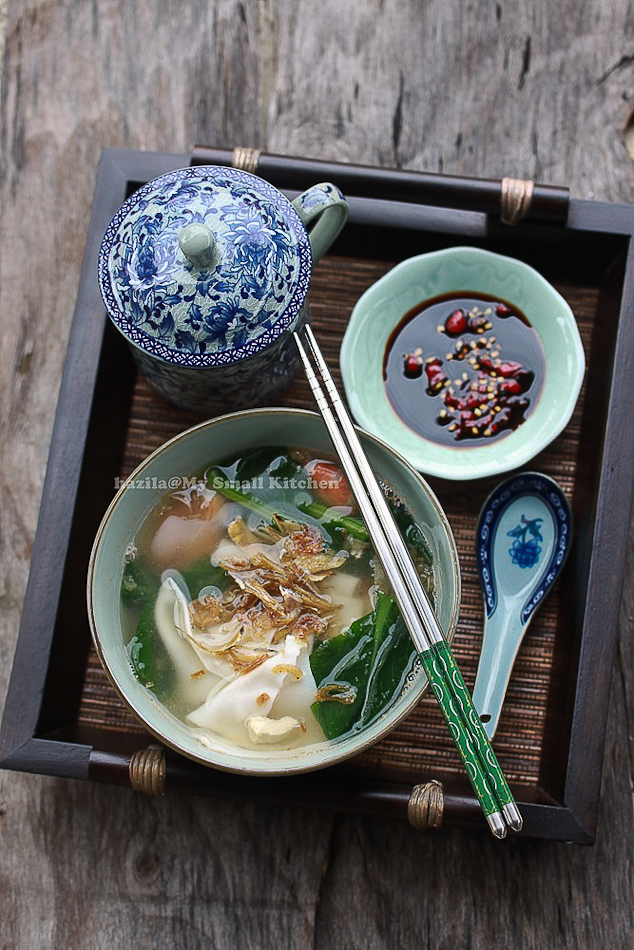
528 89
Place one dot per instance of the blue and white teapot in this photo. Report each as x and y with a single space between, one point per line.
205 272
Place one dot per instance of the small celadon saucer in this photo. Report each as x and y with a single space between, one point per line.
382 307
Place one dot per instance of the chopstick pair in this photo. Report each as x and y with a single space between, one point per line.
472 742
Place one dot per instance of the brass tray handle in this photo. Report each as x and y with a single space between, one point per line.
246 158
510 199
147 775
147 770
425 806
517 195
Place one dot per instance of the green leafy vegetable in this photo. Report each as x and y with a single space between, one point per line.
148 656
139 583
220 483
263 460
365 665
203 573
350 673
410 530
353 526
393 661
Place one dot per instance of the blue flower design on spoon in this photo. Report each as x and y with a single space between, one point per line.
525 549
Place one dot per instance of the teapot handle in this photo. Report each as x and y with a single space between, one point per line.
325 203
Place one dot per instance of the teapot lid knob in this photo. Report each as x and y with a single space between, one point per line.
197 244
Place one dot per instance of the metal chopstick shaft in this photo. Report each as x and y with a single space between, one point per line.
435 664
402 555
433 633
358 489
432 629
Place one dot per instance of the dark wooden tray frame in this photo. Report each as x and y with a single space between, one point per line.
37 732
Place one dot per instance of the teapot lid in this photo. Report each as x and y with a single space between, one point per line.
204 265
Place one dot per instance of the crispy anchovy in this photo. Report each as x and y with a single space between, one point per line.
250 584
342 693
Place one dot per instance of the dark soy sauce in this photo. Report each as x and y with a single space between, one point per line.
464 368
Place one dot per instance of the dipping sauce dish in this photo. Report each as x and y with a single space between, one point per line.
389 307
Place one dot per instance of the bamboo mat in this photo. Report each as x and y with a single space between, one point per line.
420 746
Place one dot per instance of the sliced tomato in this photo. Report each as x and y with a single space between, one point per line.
330 485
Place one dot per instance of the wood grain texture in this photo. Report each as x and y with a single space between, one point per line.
529 88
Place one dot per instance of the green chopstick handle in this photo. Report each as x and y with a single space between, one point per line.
438 670
444 659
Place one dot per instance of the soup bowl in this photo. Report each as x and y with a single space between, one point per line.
192 451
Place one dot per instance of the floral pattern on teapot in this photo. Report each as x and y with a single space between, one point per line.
250 293
236 385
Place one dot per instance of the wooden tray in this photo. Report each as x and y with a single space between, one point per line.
63 718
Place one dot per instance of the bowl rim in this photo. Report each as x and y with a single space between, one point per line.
460 462
205 756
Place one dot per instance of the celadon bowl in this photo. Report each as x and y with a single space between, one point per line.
192 451
381 308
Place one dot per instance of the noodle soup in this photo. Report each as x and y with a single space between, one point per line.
255 611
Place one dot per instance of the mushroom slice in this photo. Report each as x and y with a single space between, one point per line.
239 533
217 639
262 730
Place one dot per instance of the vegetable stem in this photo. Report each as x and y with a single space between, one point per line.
354 526
217 481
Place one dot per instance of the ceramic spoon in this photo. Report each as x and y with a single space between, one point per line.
523 537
